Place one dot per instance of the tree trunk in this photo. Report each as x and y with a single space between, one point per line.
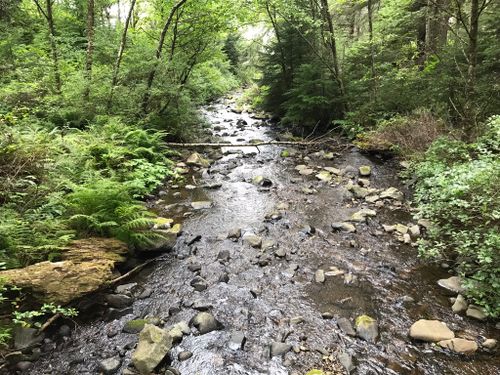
119 56
370 32
159 49
470 89
53 46
47 14
436 26
90 49
333 49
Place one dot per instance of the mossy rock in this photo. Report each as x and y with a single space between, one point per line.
285 154
135 326
316 372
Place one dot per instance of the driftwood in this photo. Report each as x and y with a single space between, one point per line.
129 273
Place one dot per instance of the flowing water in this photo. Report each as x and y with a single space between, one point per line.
265 290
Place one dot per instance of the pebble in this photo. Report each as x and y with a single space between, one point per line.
346 326
319 276
280 348
489 343
237 340
110 365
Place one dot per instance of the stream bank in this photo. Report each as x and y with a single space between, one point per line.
285 287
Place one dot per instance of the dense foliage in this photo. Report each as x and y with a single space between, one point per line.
458 190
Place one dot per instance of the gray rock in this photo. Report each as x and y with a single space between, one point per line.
346 227
252 240
452 284
280 253
201 205
280 348
184 355
431 331
64 330
319 276
205 322
346 360
327 315
154 344
346 326
25 337
134 326
118 301
125 288
110 365
476 312
237 340
234 233
23 366
224 256
392 193
366 328
460 304
199 284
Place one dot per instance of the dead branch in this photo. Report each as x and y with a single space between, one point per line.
257 144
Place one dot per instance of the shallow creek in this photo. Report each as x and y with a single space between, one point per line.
380 273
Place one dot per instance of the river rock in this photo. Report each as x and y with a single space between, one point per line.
452 284
201 205
346 227
476 312
280 348
332 170
431 331
252 239
362 214
234 234
237 340
86 265
414 231
134 326
324 176
489 343
306 171
110 365
346 360
346 326
366 328
205 322
319 276
262 181
392 193
184 355
26 337
365 170
460 346
358 191
199 284
118 301
460 304
154 344
197 160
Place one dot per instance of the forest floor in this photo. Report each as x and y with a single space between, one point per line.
258 253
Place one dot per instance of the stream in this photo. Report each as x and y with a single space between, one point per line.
269 294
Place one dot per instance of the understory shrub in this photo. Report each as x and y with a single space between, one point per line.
457 189
407 135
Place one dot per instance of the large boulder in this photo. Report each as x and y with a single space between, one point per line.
86 265
154 344
431 331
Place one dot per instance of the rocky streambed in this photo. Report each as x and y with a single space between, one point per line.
286 262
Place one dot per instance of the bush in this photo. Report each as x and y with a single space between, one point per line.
407 135
458 191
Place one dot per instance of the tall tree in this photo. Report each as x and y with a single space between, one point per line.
48 15
119 55
436 26
159 50
90 48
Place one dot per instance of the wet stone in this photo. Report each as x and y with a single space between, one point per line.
194 267
205 322
346 227
252 240
346 326
460 346
431 331
118 301
199 284
280 349
184 355
237 340
110 365
460 304
201 205
224 256
319 276
327 315
452 284
476 312
366 328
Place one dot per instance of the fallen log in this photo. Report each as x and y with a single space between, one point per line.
256 144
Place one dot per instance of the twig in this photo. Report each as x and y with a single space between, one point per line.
129 273
49 322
